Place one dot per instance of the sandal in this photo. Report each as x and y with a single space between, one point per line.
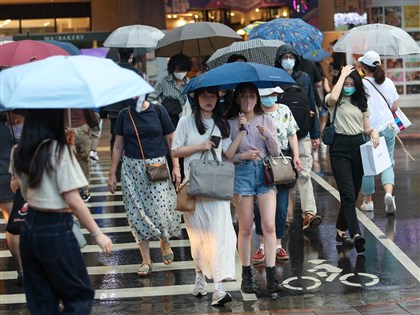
167 258
145 270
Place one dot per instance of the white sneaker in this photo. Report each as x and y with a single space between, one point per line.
220 297
200 285
367 206
389 201
94 155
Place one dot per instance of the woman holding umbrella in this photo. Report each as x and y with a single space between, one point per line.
260 140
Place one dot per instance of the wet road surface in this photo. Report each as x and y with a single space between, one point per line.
320 277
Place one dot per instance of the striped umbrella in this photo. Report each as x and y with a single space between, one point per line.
301 35
255 50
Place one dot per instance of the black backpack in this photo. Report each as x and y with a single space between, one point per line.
295 96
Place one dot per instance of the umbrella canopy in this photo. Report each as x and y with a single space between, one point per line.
139 36
301 35
196 39
69 82
24 51
317 55
385 39
227 76
67 46
254 50
95 52
247 29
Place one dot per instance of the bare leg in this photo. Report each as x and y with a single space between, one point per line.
245 213
12 240
267 203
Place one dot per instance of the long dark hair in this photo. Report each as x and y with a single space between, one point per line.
359 97
40 124
218 118
235 107
377 71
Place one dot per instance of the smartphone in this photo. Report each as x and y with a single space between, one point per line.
215 140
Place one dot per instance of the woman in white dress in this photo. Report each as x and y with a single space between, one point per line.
210 229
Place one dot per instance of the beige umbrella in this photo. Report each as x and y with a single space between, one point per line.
196 39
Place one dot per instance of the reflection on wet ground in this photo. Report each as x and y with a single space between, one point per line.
319 275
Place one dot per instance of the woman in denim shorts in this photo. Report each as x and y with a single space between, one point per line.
258 141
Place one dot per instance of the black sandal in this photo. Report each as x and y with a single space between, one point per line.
344 240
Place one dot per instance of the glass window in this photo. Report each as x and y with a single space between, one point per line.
9 27
37 26
73 25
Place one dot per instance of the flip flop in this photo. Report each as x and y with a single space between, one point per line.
145 270
168 258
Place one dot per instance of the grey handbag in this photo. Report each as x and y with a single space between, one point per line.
211 178
78 234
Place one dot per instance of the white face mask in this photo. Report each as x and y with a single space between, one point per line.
288 64
180 75
139 103
17 131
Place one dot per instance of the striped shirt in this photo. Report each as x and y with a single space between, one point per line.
167 87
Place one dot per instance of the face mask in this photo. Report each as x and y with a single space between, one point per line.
268 101
139 103
288 64
247 106
180 75
17 131
347 91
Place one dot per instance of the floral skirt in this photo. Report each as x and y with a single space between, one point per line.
150 206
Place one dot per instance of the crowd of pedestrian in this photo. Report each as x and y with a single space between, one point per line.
169 128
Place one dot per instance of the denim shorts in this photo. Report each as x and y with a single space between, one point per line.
249 179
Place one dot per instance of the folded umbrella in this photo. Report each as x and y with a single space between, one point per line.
69 82
227 76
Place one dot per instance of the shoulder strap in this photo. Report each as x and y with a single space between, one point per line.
138 137
386 102
335 112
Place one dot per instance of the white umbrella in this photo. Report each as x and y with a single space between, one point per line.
255 50
69 82
139 36
385 39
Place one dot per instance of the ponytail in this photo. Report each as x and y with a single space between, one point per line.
377 72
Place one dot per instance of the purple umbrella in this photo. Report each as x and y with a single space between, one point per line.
95 52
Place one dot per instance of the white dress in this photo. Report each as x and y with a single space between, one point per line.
209 227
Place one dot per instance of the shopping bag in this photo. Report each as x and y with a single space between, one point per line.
375 160
401 121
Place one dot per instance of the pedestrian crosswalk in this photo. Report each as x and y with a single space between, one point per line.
115 277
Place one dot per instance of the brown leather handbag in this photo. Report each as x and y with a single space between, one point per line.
184 202
155 172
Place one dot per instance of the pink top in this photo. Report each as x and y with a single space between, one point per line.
253 140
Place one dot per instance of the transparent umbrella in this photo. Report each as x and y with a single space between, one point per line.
385 39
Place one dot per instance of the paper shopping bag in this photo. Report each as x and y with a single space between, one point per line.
375 160
401 120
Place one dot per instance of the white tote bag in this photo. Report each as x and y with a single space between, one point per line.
375 160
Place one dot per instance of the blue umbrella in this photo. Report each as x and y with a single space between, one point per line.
67 46
227 76
301 35
317 55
